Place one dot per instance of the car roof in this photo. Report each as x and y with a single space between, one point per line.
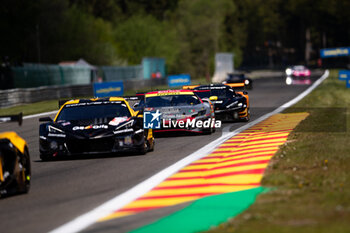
169 92
110 99
299 67
211 86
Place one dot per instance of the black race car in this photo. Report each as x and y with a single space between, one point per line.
94 126
15 170
228 104
239 79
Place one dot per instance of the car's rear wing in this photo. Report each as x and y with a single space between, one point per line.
9 118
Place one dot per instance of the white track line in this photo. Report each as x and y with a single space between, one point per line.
40 114
87 219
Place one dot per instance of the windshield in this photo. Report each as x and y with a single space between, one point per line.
203 94
172 100
223 93
299 68
93 110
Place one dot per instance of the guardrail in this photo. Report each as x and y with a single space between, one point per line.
13 97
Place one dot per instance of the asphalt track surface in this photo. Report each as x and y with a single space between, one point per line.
63 190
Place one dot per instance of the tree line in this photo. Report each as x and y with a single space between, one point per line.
187 33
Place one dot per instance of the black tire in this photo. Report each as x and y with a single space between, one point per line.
144 148
151 148
213 129
27 171
207 131
22 172
45 157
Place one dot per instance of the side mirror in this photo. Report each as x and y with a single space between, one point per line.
45 119
213 98
245 92
136 105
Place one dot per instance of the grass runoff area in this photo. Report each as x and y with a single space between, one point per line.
51 105
309 176
46 106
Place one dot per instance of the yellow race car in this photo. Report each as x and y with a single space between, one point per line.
15 171
94 126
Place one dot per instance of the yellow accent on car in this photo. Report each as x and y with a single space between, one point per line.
68 102
1 172
213 98
16 140
246 96
133 113
190 87
168 94
150 134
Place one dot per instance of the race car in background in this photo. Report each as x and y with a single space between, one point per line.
239 80
94 126
228 104
15 171
177 107
298 71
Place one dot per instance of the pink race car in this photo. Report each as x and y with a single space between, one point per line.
298 71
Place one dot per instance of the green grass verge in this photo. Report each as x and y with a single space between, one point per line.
310 173
29 109
50 105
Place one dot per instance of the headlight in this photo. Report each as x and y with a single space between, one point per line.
126 125
288 71
246 82
54 129
240 104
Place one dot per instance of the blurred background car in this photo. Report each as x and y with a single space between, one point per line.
15 171
298 71
239 78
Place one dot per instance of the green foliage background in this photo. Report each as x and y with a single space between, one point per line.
187 33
